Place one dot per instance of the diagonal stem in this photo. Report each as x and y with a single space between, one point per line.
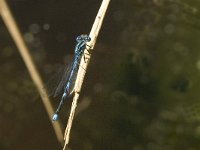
23 49
82 70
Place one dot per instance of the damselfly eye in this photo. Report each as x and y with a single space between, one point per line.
78 38
88 39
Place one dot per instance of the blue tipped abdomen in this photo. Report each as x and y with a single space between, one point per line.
55 117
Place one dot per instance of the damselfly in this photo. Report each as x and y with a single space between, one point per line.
68 81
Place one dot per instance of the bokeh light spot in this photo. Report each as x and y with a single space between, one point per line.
34 28
28 37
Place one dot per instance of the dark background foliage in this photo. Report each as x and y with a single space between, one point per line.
141 90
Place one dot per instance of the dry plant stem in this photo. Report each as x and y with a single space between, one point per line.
17 37
82 70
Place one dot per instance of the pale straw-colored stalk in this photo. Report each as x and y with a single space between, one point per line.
82 70
23 49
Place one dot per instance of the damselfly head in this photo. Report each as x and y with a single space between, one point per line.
83 37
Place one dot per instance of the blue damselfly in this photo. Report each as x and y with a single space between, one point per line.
68 80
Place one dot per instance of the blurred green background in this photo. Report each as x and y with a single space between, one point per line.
141 91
